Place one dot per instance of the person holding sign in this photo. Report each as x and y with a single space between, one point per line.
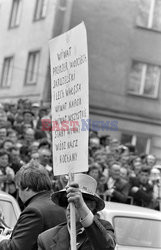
91 232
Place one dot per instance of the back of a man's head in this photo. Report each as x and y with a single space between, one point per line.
33 176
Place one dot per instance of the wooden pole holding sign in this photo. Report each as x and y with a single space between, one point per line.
70 106
72 219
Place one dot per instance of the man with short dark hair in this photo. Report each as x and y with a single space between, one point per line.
141 190
39 214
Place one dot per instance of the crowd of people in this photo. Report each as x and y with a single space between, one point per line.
122 174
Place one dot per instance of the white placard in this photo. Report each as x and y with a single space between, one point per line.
70 100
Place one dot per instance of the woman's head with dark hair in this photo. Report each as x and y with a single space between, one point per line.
44 143
33 176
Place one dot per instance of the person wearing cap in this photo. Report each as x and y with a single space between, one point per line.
91 232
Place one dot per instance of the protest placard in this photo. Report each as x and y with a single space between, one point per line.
70 100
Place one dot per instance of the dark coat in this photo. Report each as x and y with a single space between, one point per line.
121 191
144 196
98 236
39 215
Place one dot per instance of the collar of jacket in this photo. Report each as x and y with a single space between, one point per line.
61 239
35 196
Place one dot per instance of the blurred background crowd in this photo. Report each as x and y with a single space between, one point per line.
121 173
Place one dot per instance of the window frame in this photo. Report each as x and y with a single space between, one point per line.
30 83
40 6
134 136
149 25
9 73
132 218
16 22
143 79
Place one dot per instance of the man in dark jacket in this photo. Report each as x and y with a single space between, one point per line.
92 233
39 214
141 190
117 189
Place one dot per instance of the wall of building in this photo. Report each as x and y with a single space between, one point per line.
29 36
114 40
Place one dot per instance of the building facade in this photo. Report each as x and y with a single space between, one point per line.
25 29
124 43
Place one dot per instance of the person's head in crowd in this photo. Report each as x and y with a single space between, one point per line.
6 106
93 149
14 154
155 175
35 156
134 160
105 140
151 160
7 144
93 133
3 134
34 146
20 104
29 135
94 171
94 142
137 167
124 173
13 108
143 158
124 157
100 156
28 116
114 145
12 134
32 179
43 111
4 159
27 105
144 176
90 160
44 156
25 154
44 143
35 109
115 170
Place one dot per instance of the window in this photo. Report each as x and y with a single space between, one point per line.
32 67
15 13
142 143
8 213
143 232
40 9
150 14
7 72
144 79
